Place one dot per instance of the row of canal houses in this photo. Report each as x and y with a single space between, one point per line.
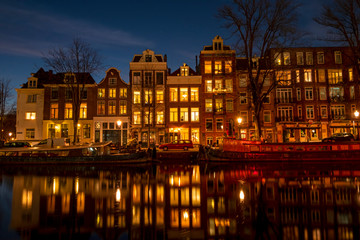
317 96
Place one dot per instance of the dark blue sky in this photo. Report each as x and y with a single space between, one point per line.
117 29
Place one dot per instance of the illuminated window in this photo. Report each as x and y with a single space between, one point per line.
173 114
335 76
351 75
83 110
30 115
160 194
208 105
208 86
185 196
122 107
112 92
101 92
185 218
148 96
229 85
123 92
147 116
307 75
184 114
137 118
159 96
184 70
184 95
160 118
218 84
112 107
217 67
283 78
277 58
218 105
195 114
194 94
173 94
68 111
208 67
210 205
286 58
228 67
54 111
137 97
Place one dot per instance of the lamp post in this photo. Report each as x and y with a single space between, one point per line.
118 123
356 114
239 121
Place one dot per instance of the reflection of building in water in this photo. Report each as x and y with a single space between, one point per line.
171 202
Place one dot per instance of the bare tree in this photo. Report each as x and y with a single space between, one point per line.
258 26
5 103
77 62
342 18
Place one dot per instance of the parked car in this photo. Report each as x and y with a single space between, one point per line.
178 144
339 137
17 144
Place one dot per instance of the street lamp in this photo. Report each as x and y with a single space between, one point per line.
239 121
356 114
118 123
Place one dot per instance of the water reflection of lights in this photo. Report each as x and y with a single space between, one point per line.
77 185
172 180
118 195
242 196
54 186
186 214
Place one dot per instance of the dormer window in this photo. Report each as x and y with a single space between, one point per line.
184 70
217 43
148 58
112 81
32 83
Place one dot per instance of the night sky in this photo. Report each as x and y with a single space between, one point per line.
117 30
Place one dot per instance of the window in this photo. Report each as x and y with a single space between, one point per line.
351 75
148 58
266 98
159 78
352 92
335 76
243 98
218 84
322 93
219 125
208 124
64 131
30 133
137 97
68 93
112 107
184 95
83 110
112 92
285 113
323 111
68 111
321 73
298 94
147 116
308 93
31 98
283 78
32 83
122 107
267 116
83 93
184 70
242 80
277 58
159 117
123 92
228 67
217 67
208 69
54 93
54 111
337 57
244 117
148 78
195 114
218 105
101 107
284 95
229 105
286 58
137 78
307 75
337 111
309 112
208 105
300 112
173 94
300 58
159 96
101 92
229 85
184 114
112 81
194 94
336 94
173 114
309 58
148 96
30 115
320 58
208 86
137 118
86 130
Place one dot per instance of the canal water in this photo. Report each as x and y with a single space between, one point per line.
171 201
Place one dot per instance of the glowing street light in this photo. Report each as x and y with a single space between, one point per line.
356 114
239 121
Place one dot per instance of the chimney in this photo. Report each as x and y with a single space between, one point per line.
165 58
